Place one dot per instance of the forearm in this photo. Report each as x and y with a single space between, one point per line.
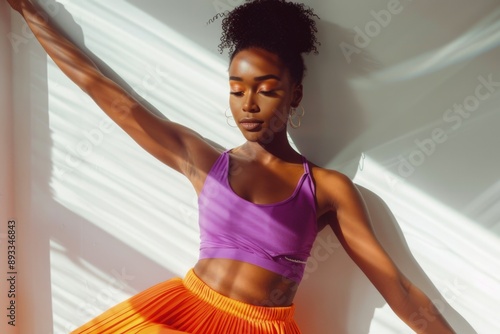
418 312
67 56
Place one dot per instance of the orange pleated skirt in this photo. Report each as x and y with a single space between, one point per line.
189 306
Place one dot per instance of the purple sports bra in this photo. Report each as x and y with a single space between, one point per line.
277 237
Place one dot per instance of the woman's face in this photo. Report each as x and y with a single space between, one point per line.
262 93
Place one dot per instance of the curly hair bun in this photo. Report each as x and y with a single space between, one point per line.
275 25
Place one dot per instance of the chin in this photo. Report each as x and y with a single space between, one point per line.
254 138
262 139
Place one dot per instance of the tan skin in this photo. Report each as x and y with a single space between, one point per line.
261 92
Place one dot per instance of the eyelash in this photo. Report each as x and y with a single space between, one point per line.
264 92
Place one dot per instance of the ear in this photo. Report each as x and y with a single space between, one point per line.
297 96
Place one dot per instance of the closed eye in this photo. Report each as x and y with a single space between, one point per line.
268 92
236 93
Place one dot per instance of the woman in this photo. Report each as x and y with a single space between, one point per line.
261 204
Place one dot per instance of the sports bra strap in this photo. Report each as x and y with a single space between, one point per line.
306 164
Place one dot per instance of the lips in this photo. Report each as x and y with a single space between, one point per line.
251 124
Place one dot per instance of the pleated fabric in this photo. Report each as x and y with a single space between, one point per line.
190 306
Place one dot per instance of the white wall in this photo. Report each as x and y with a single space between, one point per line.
101 220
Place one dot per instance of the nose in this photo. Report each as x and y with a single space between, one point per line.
249 104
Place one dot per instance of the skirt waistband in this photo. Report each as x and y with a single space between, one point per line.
235 307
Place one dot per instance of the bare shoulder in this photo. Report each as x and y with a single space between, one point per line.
341 202
330 179
329 175
331 187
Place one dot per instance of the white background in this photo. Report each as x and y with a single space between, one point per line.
99 219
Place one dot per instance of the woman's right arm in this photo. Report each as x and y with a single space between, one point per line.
175 145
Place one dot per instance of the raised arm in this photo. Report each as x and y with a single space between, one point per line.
175 145
351 223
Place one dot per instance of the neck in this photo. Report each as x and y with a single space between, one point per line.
268 152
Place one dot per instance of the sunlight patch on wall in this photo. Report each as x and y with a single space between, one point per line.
118 197
444 242
101 290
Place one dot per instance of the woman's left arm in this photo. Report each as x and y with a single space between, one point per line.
350 221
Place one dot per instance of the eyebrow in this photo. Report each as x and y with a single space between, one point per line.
261 78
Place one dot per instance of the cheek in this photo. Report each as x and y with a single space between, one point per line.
281 110
278 122
234 105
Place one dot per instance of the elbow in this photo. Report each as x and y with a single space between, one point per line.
406 286
400 296
405 291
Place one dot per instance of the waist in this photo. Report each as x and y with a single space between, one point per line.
246 282
289 266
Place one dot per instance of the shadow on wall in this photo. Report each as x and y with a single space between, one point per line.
334 119
336 297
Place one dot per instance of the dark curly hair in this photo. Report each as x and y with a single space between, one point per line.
283 28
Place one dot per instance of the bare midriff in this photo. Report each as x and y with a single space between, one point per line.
246 282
